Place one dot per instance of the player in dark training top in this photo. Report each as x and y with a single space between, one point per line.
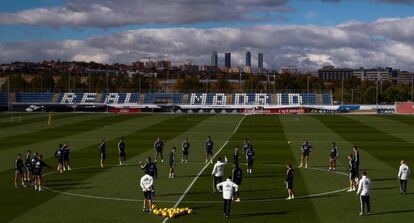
102 152
33 161
19 171
250 154
37 172
208 148
149 168
185 147
66 156
246 146
236 156
356 160
159 147
59 158
352 173
306 148
172 162
121 151
333 156
237 177
289 182
27 165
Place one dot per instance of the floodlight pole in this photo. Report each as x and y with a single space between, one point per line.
8 93
342 99
352 96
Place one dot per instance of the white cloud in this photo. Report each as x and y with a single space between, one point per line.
113 13
381 43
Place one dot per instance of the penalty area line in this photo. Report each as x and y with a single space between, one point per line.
203 169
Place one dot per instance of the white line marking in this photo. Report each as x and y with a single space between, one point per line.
190 202
203 169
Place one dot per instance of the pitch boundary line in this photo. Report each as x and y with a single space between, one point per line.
190 202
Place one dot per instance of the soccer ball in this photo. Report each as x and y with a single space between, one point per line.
289 142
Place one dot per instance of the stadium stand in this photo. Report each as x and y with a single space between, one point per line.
216 99
4 99
29 97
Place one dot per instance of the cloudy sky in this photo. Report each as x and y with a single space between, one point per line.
303 33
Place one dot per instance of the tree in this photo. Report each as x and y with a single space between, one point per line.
253 84
370 95
222 85
188 83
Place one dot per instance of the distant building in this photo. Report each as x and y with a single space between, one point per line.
247 70
163 64
234 69
227 60
260 62
404 77
248 59
150 64
214 59
375 74
288 70
189 68
331 73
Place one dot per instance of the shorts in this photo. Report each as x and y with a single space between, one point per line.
122 154
172 164
209 152
237 181
185 153
352 175
19 171
159 150
305 154
333 158
37 172
148 195
66 157
250 162
289 185
103 156
60 160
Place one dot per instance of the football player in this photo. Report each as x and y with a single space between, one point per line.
186 150
159 147
306 148
19 172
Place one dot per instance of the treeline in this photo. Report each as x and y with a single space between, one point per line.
352 90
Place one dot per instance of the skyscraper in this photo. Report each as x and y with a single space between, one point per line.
227 60
248 59
214 59
260 62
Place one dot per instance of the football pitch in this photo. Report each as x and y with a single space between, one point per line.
91 194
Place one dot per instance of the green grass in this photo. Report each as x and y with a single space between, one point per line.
384 140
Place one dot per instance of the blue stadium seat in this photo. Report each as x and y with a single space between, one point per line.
150 98
4 99
30 97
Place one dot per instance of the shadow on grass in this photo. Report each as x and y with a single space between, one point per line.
64 184
384 188
74 188
176 194
393 212
270 213
383 179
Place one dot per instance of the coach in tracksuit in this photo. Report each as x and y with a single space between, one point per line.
218 171
228 188
364 189
403 174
